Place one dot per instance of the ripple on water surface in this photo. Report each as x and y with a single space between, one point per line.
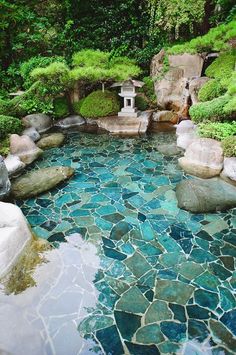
137 275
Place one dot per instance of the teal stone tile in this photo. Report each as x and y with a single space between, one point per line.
103 224
93 323
150 334
40 232
147 231
174 331
137 264
150 250
219 271
127 323
100 198
114 217
78 213
172 259
139 349
168 347
173 291
178 311
202 256
206 298
105 210
157 311
168 243
197 312
190 269
110 339
227 299
126 302
222 334
127 248
119 230
148 279
197 330
207 281
229 320
114 254
36 220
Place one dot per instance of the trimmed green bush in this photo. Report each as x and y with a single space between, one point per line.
217 130
222 67
210 110
12 107
77 106
215 40
5 146
36 62
229 146
9 125
141 103
211 90
60 107
230 107
100 104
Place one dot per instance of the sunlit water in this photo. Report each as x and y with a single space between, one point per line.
131 272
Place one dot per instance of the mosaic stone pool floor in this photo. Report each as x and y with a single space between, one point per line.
145 277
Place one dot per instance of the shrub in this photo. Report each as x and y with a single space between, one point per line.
232 84
210 110
12 107
215 40
141 103
222 67
5 146
9 125
60 107
100 104
230 107
217 130
229 146
77 106
36 62
211 90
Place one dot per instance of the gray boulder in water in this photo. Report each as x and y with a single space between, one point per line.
201 196
38 181
5 184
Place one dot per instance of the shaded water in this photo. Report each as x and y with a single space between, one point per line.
137 275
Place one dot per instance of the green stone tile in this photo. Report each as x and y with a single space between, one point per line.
93 323
220 332
137 264
172 259
133 301
207 281
173 291
157 311
150 334
190 269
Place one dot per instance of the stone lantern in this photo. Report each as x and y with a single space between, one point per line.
129 94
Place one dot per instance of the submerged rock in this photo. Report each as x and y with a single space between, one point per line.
5 184
202 196
39 121
24 148
203 158
14 235
36 182
185 126
169 149
165 116
51 141
71 121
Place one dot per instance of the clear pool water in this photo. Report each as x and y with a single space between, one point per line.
132 273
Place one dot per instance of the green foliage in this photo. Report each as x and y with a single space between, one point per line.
229 146
149 90
141 103
9 125
223 66
36 62
77 106
215 40
232 84
5 146
12 107
230 107
217 130
210 110
211 90
60 107
96 66
100 104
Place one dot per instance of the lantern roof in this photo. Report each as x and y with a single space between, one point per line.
135 83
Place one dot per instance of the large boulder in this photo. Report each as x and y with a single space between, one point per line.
32 133
191 64
71 122
24 148
51 141
126 126
186 139
13 164
203 158
14 235
38 181
186 126
39 121
230 168
202 196
165 116
5 184
194 87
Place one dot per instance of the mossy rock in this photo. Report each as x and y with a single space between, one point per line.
100 104
52 140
